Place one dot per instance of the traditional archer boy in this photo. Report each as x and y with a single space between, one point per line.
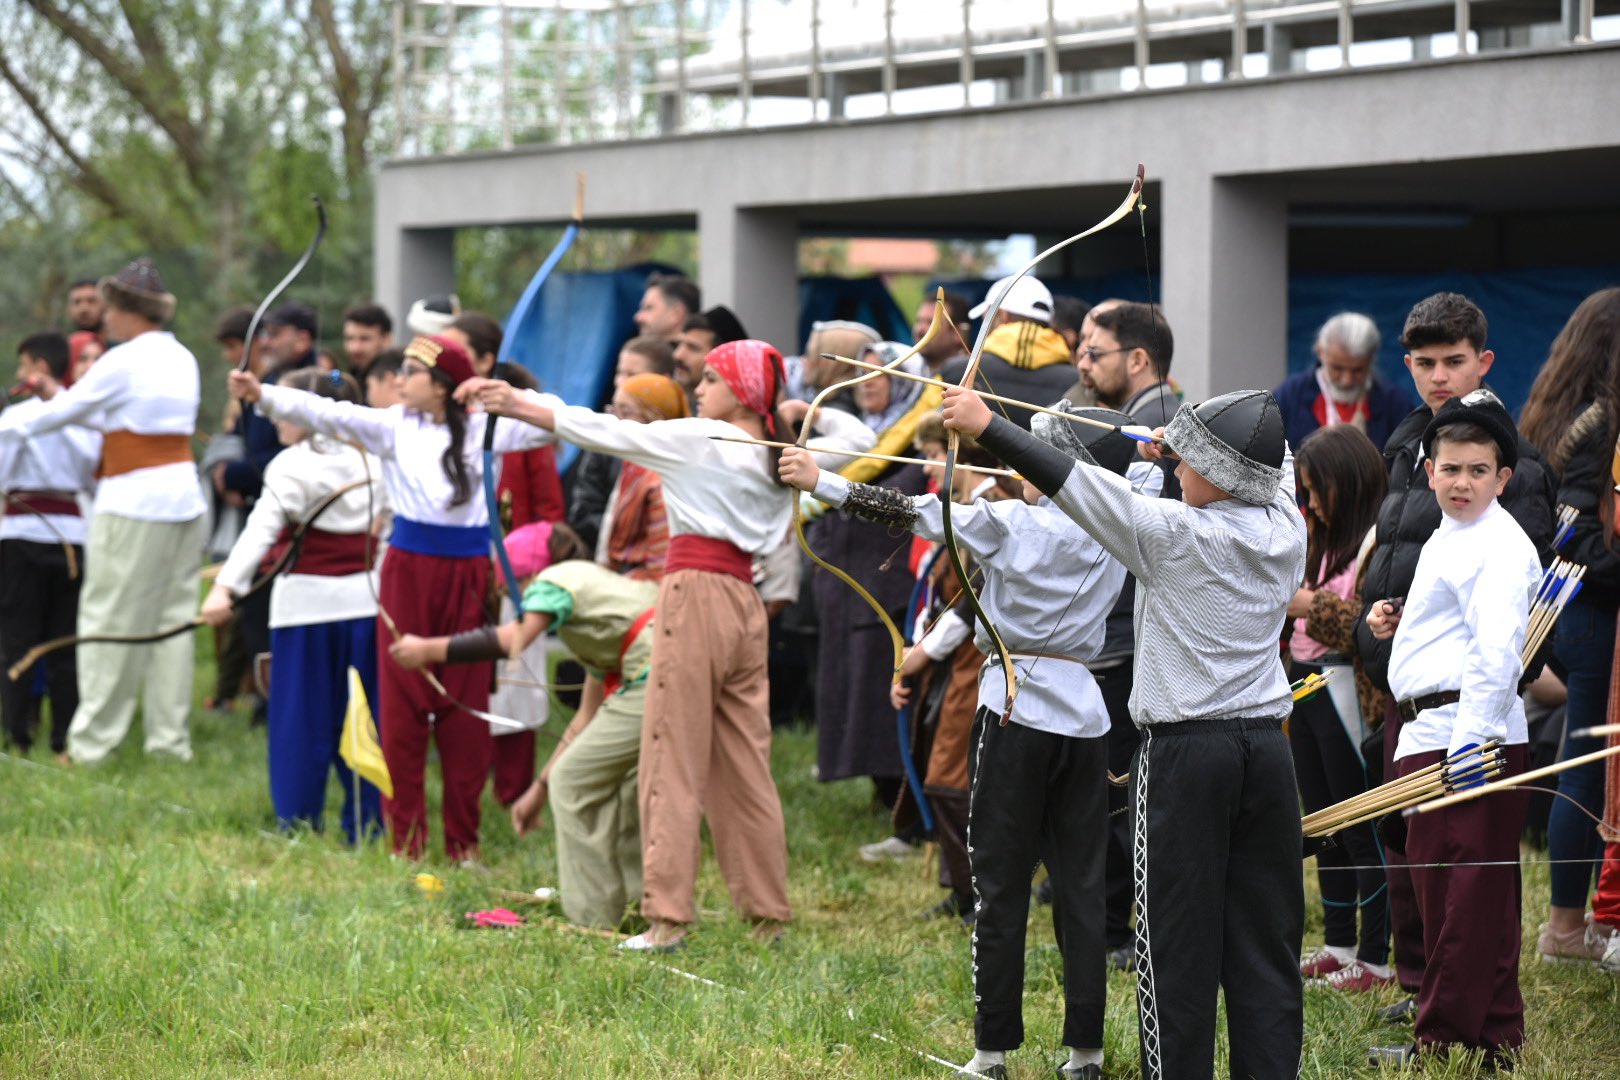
1216 813
1455 669
1038 785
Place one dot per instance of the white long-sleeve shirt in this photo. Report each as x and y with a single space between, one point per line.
1213 585
1463 629
410 445
1047 588
294 482
61 461
722 490
147 385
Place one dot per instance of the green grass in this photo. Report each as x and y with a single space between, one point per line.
152 925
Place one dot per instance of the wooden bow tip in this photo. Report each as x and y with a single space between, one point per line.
1141 178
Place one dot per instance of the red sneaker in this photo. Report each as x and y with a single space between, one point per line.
1319 965
1356 977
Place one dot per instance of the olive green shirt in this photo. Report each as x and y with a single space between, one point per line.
592 609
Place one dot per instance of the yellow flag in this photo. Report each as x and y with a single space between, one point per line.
359 745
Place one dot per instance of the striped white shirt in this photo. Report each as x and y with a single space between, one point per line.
1213 585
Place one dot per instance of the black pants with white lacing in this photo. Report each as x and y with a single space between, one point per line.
1037 797
1220 902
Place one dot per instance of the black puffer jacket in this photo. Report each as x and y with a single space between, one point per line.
1585 457
1411 513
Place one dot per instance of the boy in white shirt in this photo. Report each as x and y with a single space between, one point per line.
1455 670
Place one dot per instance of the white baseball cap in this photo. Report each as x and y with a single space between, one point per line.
1028 299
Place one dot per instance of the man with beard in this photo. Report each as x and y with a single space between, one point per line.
85 308
1124 362
1344 387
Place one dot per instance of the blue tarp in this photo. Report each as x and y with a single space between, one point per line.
570 339
1525 310
862 300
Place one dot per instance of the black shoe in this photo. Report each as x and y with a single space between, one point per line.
953 907
1401 1057
1044 891
1402 1012
1122 958
1084 1072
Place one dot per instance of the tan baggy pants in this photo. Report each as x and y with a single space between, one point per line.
139 576
593 806
706 752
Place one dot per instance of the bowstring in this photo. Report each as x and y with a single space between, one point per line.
1136 488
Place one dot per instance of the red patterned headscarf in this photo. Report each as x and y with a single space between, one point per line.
752 371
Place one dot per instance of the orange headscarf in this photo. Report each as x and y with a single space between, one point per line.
658 394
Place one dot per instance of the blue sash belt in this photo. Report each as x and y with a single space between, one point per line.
445 541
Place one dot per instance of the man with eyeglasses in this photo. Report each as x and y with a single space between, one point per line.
1124 360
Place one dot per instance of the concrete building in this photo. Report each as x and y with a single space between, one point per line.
1502 157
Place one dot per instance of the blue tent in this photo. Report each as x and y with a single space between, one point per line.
863 300
1525 309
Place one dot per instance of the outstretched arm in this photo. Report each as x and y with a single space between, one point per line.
470 646
371 428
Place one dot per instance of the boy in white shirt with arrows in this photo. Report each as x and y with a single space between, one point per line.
1455 671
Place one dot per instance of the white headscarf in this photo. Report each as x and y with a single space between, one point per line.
903 393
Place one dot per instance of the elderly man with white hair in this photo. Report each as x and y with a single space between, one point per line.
1344 387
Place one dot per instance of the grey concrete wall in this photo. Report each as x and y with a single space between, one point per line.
1229 157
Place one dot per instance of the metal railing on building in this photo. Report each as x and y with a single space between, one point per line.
494 74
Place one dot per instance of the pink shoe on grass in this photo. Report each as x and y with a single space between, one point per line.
1357 977
1584 946
1320 964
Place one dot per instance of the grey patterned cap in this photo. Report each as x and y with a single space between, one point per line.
1083 442
1235 441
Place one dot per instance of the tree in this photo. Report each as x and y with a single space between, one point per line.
194 130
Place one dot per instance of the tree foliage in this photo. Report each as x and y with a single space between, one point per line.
191 130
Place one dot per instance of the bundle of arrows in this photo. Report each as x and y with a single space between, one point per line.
1566 524
1309 686
1465 767
1559 585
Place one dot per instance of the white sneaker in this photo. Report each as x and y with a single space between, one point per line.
890 849
1610 960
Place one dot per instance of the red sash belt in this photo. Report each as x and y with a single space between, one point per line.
690 552
612 680
323 554
125 451
42 502
331 554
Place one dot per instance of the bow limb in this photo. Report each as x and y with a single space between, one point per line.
44 648
281 287
520 311
45 520
896 639
954 441
296 539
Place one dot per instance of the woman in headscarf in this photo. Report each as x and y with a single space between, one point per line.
635 532
854 719
705 742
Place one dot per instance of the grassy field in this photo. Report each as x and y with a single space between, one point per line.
152 925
